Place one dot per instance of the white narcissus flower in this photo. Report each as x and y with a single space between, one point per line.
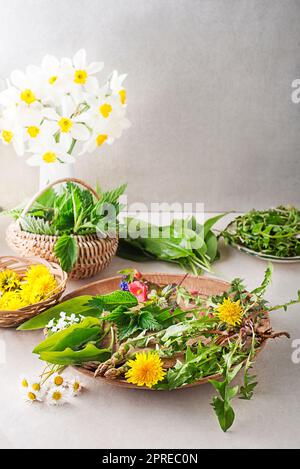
69 123
48 152
115 84
29 85
11 132
83 72
107 119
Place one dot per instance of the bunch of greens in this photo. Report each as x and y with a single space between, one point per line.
191 245
275 232
184 336
70 212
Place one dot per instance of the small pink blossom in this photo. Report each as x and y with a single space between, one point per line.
139 290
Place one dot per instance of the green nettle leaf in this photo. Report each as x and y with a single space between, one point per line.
78 305
66 250
112 300
75 357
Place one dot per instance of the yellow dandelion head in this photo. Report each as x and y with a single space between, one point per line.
230 312
9 280
11 301
145 370
35 271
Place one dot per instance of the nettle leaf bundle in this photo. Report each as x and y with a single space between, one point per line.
68 213
274 232
194 247
163 337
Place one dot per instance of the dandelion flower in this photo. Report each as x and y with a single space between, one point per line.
145 370
35 272
230 312
11 301
9 281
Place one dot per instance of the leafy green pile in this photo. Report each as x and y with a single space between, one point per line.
70 212
183 328
192 246
275 232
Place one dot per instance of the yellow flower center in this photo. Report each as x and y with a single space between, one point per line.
24 383
56 395
65 124
105 109
122 94
31 396
36 387
52 79
80 77
49 157
101 139
7 135
28 96
33 131
230 312
58 380
76 386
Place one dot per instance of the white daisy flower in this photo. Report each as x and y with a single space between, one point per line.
75 386
57 396
32 389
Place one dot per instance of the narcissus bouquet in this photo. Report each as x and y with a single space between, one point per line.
59 110
162 337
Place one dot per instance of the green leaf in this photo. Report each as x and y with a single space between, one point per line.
110 301
259 291
36 225
70 357
224 412
66 250
76 305
211 222
74 336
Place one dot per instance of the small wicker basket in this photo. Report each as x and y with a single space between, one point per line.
94 253
20 266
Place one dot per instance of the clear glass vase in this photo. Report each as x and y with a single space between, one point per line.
53 172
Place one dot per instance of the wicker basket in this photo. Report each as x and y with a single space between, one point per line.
94 253
20 266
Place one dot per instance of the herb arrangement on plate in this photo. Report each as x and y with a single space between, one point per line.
194 247
70 212
271 233
162 337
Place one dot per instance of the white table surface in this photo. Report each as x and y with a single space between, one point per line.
105 416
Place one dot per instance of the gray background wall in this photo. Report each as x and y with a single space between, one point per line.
209 86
